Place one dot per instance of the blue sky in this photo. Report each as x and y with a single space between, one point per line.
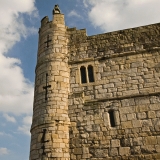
20 21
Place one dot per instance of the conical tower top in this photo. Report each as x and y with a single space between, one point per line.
56 9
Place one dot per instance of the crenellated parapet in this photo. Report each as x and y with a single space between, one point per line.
117 43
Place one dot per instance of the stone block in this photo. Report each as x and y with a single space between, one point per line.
112 90
113 152
137 141
98 87
142 101
116 118
115 143
158 139
78 157
148 149
98 121
124 110
102 91
62 145
123 117
59 78
157 147
54 136
125 142
135 150
78 151
136 123
56 145
100 153
151 114
124 151
57 154
127 124
130 92
106 119
64 74
146 90
150 140
66 155
131 116
142 108
95 127
106 74
156 156
110 85
158 113
145 128
141 115
146 123
137 64
85 150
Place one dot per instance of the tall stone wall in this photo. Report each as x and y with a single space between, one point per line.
126 66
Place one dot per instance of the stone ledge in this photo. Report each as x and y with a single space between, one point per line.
122 97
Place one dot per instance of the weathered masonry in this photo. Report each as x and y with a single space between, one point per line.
96 97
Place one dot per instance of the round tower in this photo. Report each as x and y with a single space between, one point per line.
49 130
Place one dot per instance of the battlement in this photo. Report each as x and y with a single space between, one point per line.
44 21
133 40
74 30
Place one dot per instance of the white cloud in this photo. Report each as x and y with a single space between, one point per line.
4 151
5 134
3 124
16 93
11 25
9 118
73 13
1 133
25 128
27 120
112 15
85 3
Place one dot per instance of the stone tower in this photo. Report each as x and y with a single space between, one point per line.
49 130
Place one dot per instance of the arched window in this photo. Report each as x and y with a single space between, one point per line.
90 73
83 75
111 118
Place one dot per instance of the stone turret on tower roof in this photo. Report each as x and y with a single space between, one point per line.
56 9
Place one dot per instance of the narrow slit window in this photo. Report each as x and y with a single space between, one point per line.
90 74
48 41
83 75
111 118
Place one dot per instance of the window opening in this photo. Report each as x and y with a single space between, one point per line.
90 74
83 75
47 42
111 118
